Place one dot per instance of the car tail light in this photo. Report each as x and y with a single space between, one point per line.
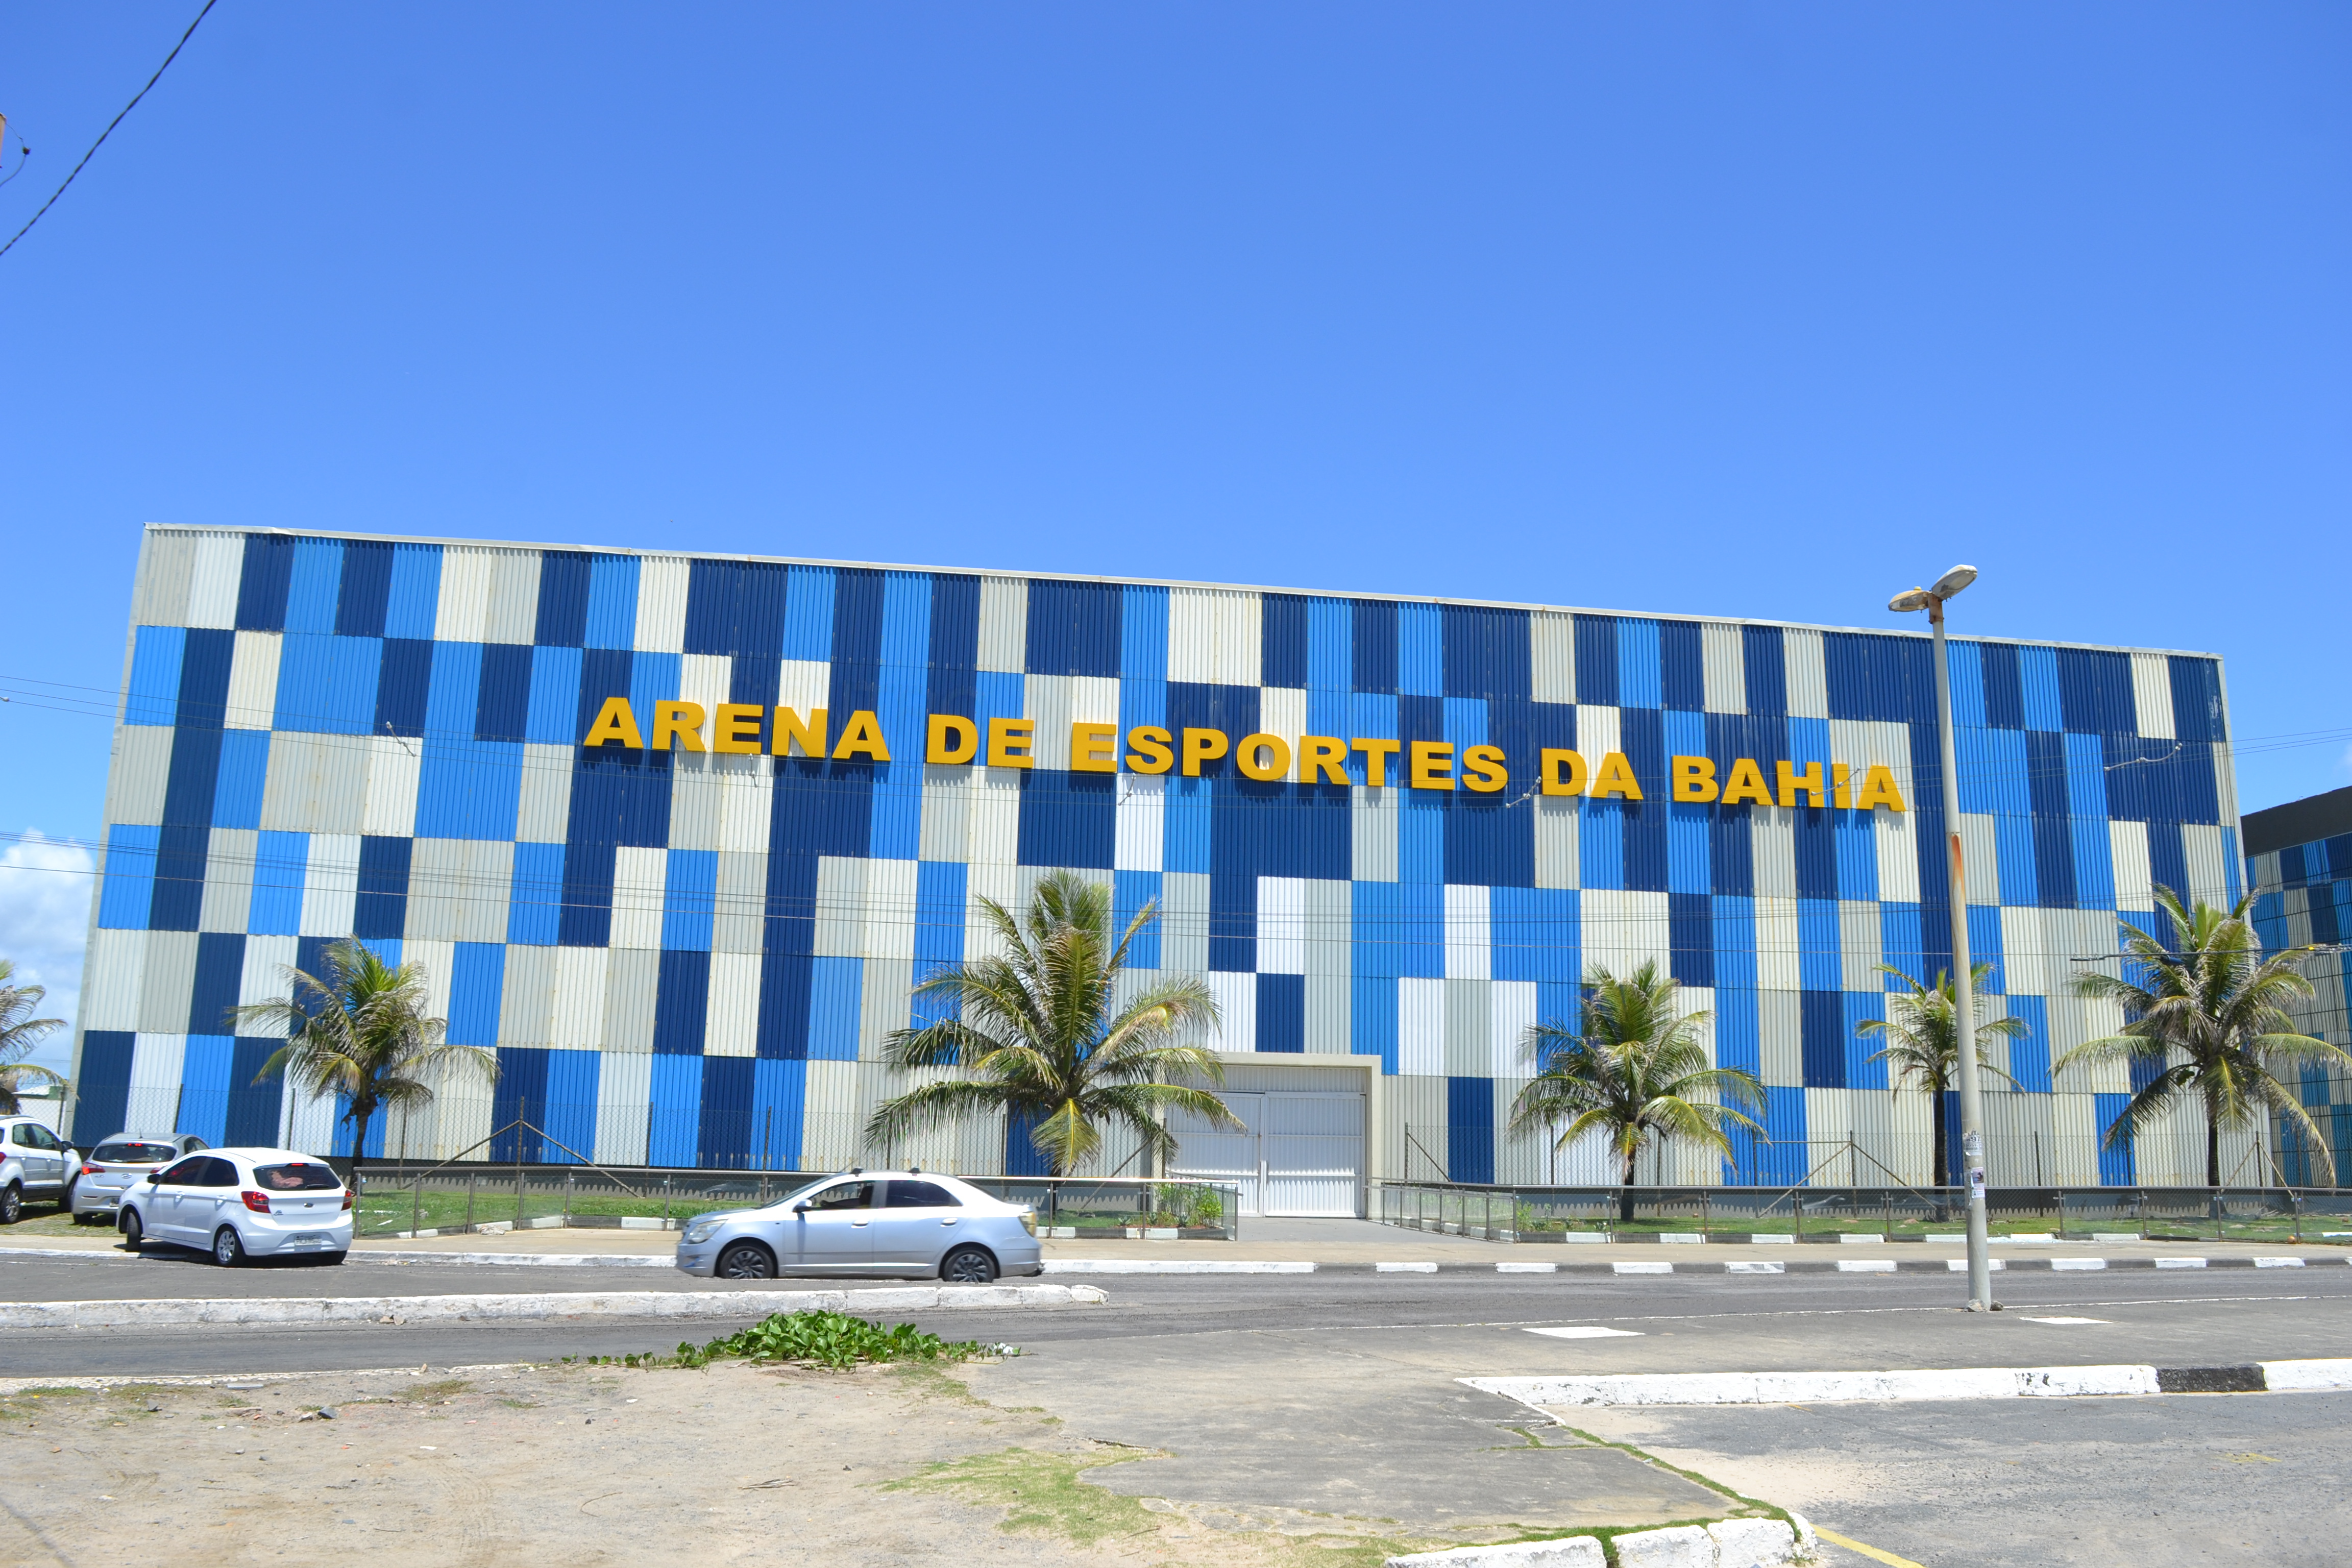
347 1197
93 1169
258 1202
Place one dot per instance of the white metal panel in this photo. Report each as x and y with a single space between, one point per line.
1330 920
1236 998
331 885
1141 830
1778 943
1282 925
1469 1027
543 813
156 1060
433 960
511 616
1552 656
307 1121
1807 674
1723 668
995 817
1983 865
388 809
1005 624
2134 882
141 775
1184 922
639 875
694 789
1420 1027
1215 635
805 685
438 890
2152 695
1511 1013
731 1021
661 606
890 912
703 680
2024 968
886 1001
1596 731
1622 931
252 681
112 980
263 976
1557 824
739 924
1780 1039
1372 832
167 560
2208 877
841 906
464 604
946 831
1207 1151
1001 884
228 878
1046 700
2075 1020
1282 712
746 803
1858 945
1468 931
579 1018
624 1089
526 997
1898 836
316 784
1330 1004
212 586
632 983
1311 1149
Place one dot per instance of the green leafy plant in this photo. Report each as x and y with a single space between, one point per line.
20 1033
1923 1042
831 1339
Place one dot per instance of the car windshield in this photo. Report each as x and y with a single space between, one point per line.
133 1154
297 1178
786 1200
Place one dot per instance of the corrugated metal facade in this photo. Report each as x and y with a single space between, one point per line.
2304 898
693 958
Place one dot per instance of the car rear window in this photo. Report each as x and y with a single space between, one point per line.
297 1178
133 1154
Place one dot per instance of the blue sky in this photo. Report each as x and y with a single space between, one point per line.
1723 309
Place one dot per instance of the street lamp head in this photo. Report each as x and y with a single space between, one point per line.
1913 599
1952 582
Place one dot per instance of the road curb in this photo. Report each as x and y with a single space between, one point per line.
1730 1543
1936 1384
1173 1265
685 1305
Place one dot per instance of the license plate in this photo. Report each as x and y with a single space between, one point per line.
307 1239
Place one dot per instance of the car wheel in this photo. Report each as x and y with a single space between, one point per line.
134 1233
746 1260
12 1205
228 1248
969 1266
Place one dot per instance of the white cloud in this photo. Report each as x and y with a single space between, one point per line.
46 887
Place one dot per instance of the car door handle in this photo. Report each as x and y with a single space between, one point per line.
860 1224
950 1220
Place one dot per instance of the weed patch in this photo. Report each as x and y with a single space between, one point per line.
1042 1492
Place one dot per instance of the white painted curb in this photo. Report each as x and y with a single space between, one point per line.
1404 1268
522 1259
664 1304
1732 1543
1821 1387
2307 1376
1172 1266
1576 1551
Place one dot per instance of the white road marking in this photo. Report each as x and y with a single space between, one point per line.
2069 1320
1404 1268
1642 1267
1587 1331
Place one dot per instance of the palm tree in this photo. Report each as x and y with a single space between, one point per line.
20 1033
1044 1039
1922 1042
362 1033
2211 1018
1636 1071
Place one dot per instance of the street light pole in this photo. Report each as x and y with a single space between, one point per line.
1964 1011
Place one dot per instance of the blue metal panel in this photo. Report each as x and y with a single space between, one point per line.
1965 661
674 1126
833 996
252 1117
1690 938
2054 843
1876 677
653 679
1372 1018
682 1003
205 661
520 1097
154 694
734 606
612 616
2037 674
314 586
412 598
570 1116
263 581
243 770
1073 627
553 712
2197 712
469 789
2095 691
1682 665
1186 837
1464 724
179 856
2028 1058
857 640
603 673
1640 675
456 688
1200 706
2117 1167
1689 851
1330 646
997 696
382 907
220 964
1985 946
1856 839
1142 700
1821 1017
1282 640
102 1087
1819 946
1600 844
1068 819
1143 633
281 861
477 985
814 811
1470 1128
779 1103
784 983
365 593
1373 645
1737 1028
1376 916
1490 840
327 684
1130 891
403 687
808 612
2004 685
2094 882
535 910
205 1063
566 580
1373 717
1534 933
689 897
1765 671
502 706
1779 1157
1488 652
1421 839
1861 1072
1281 1013
940 903
2232 864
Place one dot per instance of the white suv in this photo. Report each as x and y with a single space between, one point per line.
36 1166
237 1204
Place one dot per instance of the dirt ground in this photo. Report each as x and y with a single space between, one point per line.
598 1464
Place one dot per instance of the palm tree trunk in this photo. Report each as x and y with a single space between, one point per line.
2212 1152
1943 1157
359 1145
1625 1188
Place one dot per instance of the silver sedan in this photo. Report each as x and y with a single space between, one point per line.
910 1224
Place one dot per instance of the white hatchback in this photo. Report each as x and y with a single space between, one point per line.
237 1204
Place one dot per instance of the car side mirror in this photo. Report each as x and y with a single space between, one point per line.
801 1206
153 1178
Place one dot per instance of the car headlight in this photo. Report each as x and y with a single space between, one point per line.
695 1235
1029 1221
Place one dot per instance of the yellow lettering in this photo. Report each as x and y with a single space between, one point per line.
1745 786
1878 789
681 721
1615 777
1322 758
1555 759
1791 780
1094 748
616 726
1376 754
1150 748
1483 770
953 738
735 728
1202 746
1009 741
861 736
1263 757
1841 792
791 730
1694 779
1432 765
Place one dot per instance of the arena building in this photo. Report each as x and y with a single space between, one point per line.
675 834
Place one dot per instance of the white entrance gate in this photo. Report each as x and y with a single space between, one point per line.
1297 1153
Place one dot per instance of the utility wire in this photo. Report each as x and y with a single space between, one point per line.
111 124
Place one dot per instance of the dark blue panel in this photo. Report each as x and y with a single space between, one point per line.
735 607
1373 637
261 585
1486 651
1073 628
1682 664
753 679
2196 699
403 686
955 645
1068 819
562 598
1197 705
784 1004
791 915
820 809
1816 840
1232 907
2054 842
205 662
520 1095
1731 850
2168 857
604 674
1021 1157
220 966
857 643
618 797
1765 670
1419 719
1490 840
1821 1019
2004 687
1641 731
1281 1013
382 908
189 789
102 1087
1470 1129
2339 856
1883 677
2094 692
365 589
1596 659
1690 937
682 1004
1524 730
502 701
727 1112
180 852
252 1107
1927 831
1282 643
2159 781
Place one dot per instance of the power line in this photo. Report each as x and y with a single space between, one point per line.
111 124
